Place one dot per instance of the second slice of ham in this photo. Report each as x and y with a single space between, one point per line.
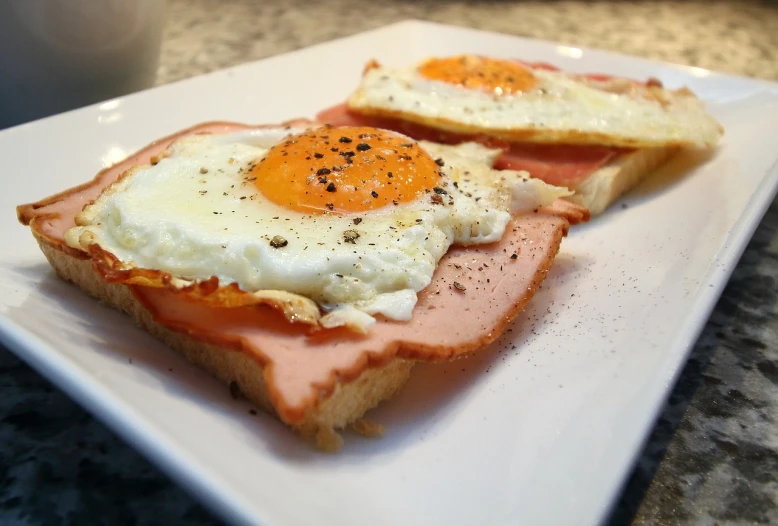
557 164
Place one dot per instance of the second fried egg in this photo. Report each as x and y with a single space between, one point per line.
513 101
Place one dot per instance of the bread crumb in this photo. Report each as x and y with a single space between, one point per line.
327 439
367 428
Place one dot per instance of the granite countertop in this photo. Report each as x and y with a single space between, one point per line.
713 455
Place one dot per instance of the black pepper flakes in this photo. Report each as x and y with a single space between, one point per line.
278 242
363 147
350 236
323 171
374 193
459 286
514 256
357 220
439 190
331 187
440 162
344 140
318 155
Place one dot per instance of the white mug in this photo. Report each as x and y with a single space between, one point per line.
56 55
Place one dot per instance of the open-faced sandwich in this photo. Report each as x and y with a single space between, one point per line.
597 135
309 267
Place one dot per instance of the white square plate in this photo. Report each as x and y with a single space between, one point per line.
543 434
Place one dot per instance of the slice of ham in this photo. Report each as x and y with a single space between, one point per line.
557 164
475 293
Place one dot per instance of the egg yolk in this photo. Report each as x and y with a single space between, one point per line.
501 77
345 170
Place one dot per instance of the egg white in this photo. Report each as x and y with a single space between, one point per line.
194 216
559 108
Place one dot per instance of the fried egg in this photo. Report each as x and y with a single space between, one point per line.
516 102
355 219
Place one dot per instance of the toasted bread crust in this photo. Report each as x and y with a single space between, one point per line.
598 191
345 405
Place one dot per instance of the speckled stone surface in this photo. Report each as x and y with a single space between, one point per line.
713 455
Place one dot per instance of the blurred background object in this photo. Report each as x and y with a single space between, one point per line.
57 55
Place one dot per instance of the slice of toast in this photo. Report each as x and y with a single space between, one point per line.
378 367
599 190
244 375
